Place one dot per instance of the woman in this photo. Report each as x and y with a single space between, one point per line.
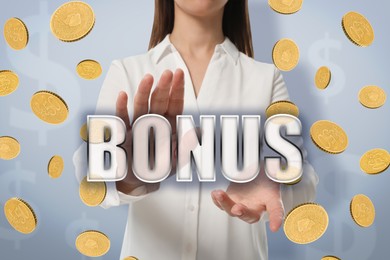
201 52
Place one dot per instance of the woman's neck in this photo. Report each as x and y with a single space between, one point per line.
196 35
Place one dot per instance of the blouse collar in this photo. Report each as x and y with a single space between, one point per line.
165 47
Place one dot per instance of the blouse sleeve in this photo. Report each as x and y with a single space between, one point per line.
115 82
305 190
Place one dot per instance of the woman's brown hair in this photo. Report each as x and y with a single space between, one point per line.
236 25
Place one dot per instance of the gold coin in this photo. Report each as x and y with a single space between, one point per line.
84 132
357 29
294 182
72 21
92 243
330 257
56 166
9 82
362 210
375 161
282 107
20 215
9 148
49 107
306 223
322 78
92 193
130 258
96 138
285 54
285 6
16 33
372 96
89 69
329 137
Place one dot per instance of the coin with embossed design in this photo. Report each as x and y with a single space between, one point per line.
285 6
72 21
9 148
20 215
358 29
89 69
16 33
92 243
329 137
9 82
285 54
362 210
375 161
306 223
49 107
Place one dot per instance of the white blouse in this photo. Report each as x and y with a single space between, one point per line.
180 221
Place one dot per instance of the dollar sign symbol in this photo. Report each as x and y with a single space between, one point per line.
343 235
46 72
319 55
78 226
10 186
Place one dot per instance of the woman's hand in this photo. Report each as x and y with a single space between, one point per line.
248 201
166 100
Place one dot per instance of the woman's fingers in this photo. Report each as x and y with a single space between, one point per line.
121 108
245 214
176 96
141 98
160 95
224 201
276 214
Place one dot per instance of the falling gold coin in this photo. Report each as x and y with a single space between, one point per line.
84 132
9 148
372 96
285 54
49 107
55 167
306 223
282 107
362 210
72 21
375 161
20 215
92 243
9 82
322 78
130 258
16 33
358 29
285 6
92 193
89 69
96 137
330 257
329 137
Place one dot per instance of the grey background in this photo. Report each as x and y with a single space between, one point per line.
123 29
